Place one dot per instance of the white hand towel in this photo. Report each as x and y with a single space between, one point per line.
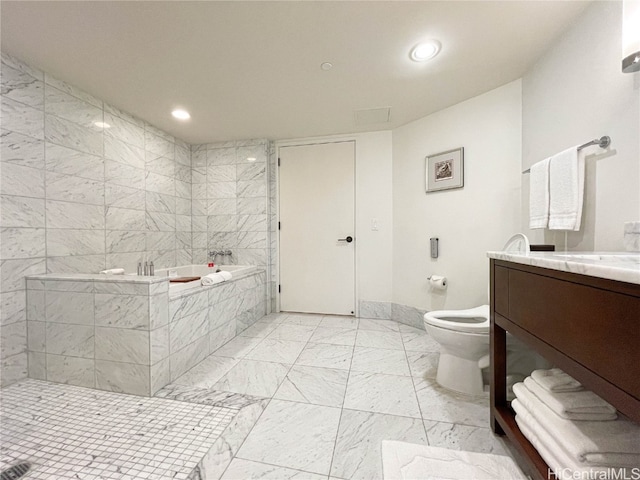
212 279
539 194
555 380
615 443
583 405
549 449
113 271
566 190
224 274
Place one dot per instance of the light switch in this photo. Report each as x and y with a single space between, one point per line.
374 224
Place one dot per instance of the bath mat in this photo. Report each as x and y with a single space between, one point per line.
408 461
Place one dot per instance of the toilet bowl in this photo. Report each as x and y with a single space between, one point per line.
463 336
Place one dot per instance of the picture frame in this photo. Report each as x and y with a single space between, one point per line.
445 170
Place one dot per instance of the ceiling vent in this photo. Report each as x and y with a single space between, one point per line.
372 116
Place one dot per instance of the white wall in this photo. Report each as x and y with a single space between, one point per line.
468 221
373 200
576 92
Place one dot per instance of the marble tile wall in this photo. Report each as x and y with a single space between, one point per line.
231 203
200 322
77 197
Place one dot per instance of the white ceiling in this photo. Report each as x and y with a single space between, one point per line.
252 69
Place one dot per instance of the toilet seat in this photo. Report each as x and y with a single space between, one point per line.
472 320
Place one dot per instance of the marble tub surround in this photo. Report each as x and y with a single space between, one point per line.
203 319
125 333
330 399
622 266
77 197
98 331
71 432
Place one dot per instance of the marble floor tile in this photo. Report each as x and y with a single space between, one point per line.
375 392
253 378
274 350
377 339
248 470
282 436
275 318
337 321
463 437
208 372
335 336
320 386
423 364
259 329
419 341
358 453
379 360
379 325
238 347
439 404
296 333
309 319
325 355
221 453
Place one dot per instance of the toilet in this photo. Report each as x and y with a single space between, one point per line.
463 336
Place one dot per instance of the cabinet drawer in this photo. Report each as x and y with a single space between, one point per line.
599 329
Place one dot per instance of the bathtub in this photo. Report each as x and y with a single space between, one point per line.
238 271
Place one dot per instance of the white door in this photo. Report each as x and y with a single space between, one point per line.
317 226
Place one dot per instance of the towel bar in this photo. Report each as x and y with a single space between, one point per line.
602 142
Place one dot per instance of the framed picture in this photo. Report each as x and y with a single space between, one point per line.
445 170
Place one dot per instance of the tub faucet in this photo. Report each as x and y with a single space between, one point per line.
213 254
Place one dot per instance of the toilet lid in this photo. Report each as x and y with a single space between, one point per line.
473 320
519 243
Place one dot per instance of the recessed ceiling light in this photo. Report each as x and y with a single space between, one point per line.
425 51
251 159
102 125
181 114
326 66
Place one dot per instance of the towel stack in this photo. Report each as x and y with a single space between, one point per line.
574 429
217 277
556 191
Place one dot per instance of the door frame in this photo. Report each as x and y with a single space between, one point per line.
301 142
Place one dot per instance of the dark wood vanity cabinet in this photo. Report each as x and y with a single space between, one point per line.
587 326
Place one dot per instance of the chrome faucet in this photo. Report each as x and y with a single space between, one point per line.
213 254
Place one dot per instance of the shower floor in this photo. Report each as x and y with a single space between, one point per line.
80 433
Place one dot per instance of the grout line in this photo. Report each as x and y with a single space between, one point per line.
415 391
346 388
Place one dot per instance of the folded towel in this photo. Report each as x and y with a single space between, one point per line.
539 194
615 443
566 190
224 274
583 405
549 448
113 271
212 279
555 380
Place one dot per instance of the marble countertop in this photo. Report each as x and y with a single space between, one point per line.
622 266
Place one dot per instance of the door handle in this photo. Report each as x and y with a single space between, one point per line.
349 239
